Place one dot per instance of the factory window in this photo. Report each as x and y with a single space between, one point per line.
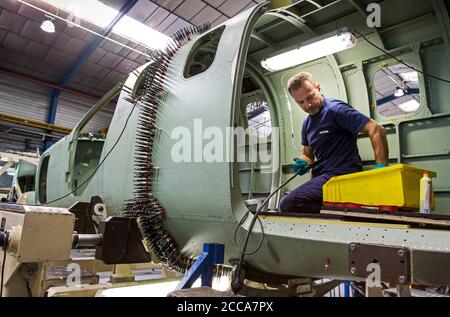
397 90
43 180
203 53
256 109
259 121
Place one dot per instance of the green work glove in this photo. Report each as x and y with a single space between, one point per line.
378 166
300 166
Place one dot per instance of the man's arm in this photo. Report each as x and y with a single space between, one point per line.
378 137
308 155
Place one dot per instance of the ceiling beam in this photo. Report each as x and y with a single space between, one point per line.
6 167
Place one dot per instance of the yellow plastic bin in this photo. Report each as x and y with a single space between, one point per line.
396 186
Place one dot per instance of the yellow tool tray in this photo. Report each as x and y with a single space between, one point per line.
397 185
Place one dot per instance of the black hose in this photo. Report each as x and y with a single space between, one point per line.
5 247
236 283
29 292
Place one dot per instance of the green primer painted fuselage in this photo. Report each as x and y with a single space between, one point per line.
205 201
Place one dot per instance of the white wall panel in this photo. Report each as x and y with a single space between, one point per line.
72 108
29 100
23 99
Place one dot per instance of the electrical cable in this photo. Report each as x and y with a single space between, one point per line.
239 226
101 163
399 60
29 292
4 247
236 284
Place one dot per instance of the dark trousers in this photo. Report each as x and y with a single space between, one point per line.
307 198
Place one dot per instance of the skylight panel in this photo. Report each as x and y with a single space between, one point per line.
102 15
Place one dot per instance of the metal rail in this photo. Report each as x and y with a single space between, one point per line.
34 123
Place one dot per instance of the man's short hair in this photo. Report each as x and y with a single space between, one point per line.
296 82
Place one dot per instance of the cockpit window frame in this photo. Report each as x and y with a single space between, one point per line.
42 175
371 68
199 43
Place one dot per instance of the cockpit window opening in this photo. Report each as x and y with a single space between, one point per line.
203 53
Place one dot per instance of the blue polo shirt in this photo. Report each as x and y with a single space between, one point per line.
332 134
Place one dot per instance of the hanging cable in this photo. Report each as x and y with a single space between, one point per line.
4 247
399 60
237 229
101 163
236 283
29 292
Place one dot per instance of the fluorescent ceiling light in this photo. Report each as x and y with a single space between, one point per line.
102 15
410 106
139 32
320 47
90 10
411 77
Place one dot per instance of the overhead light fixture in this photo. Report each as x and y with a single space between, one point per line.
399 92
322 46
411 77
48 25
410 106
102 15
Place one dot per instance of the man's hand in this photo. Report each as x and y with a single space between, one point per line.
301 167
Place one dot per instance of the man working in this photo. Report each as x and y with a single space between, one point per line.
329 136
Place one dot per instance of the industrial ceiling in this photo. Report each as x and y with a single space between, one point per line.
27 51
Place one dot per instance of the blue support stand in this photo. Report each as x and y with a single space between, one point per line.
212 254
347 289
